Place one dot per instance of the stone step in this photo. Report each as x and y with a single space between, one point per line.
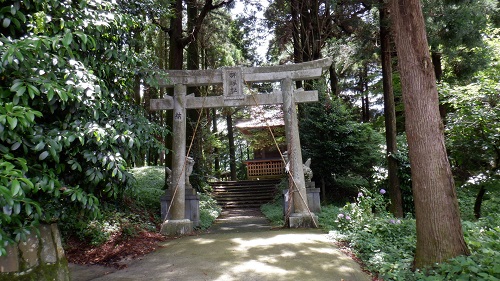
245 198
244 191
236 205
244 194
243 182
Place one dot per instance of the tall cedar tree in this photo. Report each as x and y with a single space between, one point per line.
439 229
396 206
178 40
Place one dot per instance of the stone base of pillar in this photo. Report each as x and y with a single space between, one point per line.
176 227
313 200
192 201
303 220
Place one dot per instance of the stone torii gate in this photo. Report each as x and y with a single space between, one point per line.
233 79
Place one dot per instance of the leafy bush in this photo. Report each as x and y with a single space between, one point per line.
467 196
68 127
209 211
404 174
111 222
139 210
274 212
340 147
96 232
386 245
148 187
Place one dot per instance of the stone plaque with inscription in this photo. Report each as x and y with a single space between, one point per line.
233 85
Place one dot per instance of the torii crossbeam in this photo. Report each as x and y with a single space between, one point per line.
233 79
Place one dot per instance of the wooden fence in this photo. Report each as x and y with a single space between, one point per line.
264 169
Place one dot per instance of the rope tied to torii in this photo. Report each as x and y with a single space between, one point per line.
292 186
180 102
186 158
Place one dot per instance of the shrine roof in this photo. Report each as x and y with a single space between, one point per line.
262 117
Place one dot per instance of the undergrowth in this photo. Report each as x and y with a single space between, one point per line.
274 213
209 211
139 210
386 245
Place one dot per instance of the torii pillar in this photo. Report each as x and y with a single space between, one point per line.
177 224
232 80
301 217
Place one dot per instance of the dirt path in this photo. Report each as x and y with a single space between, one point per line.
241 246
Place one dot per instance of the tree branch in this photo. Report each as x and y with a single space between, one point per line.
209 6
162 28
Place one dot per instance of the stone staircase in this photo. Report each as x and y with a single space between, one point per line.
244 194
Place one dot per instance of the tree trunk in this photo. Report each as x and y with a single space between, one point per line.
193 63
363 89
216 150
176 56
334 81
396 206
232 150
175 61
366 107
438 69
305 24
439 229
297 53
323 188
478 202
315 31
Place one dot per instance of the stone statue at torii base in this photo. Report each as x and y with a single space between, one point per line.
233 79
192 199
189 170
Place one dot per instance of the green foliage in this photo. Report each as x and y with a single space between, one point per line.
456 31
209 211
367 204
340 147
138 210
68 130
274 212
472 126
148 187
482 237
404 175
111 222
467 196
386 245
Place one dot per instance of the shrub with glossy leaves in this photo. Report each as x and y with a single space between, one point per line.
68 128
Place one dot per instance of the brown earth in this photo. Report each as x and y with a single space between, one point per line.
116 252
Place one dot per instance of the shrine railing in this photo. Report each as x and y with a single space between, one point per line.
269 168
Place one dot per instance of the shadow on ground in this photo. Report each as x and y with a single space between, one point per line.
243 247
